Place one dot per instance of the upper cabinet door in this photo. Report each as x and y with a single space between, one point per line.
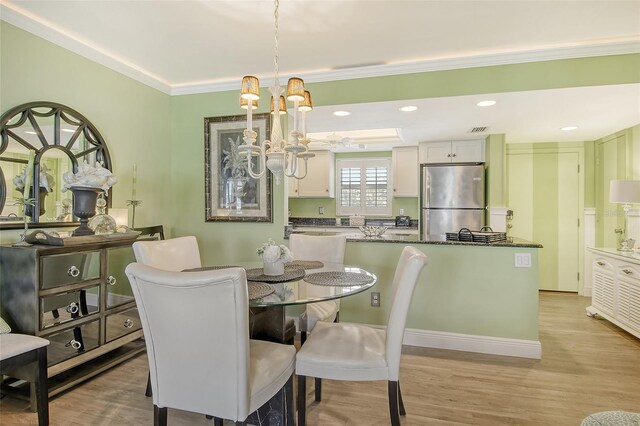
435 152
405 171
319 182
467 151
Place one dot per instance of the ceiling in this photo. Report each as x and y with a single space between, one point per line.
182 47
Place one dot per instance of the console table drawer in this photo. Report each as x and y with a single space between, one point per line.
122 323
58 270
72 342
64 307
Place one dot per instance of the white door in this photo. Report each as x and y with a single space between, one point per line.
544 195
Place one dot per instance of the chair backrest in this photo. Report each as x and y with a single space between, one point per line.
196 328
152 231
175 254
329 248
405 278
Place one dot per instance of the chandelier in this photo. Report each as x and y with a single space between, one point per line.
276 154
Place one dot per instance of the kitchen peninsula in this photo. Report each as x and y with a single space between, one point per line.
471 296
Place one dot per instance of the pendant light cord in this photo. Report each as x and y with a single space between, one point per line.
275 57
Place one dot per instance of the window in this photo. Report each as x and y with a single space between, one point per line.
363 186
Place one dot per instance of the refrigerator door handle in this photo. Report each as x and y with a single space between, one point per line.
428 194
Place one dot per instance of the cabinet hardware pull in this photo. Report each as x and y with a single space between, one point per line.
74 344
448 155
128 323
72 308
111 280
454 155
627 271
600 263
73 272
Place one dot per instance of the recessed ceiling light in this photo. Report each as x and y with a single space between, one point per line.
341 113
30 132
569 128
486 103
68 130
408 108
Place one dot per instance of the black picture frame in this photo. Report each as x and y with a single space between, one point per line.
226 174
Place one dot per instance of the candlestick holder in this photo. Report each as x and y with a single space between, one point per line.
133 204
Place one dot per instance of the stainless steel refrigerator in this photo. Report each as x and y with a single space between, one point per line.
452 197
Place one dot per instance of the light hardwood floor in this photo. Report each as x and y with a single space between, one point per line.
587 366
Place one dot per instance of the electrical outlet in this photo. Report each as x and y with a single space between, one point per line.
523 260
375 299
320 210
401 211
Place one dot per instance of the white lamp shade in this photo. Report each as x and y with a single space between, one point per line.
121 216
624 191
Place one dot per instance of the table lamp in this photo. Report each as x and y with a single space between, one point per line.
625 192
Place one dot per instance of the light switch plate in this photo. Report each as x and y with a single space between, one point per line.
523 260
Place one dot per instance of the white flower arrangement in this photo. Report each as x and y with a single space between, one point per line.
271 252
90 176
46 180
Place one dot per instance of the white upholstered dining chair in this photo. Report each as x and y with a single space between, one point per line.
196 327
328 248
342 351
175 254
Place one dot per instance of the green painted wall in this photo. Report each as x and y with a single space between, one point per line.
132 117
467 290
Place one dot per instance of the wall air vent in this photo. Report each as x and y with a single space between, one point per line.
478 129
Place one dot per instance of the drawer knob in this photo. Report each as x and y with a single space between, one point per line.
74 344
111 280
627 271
128 323
73 272
72 308
600 263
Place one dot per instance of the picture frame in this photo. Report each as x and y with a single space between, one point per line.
231 195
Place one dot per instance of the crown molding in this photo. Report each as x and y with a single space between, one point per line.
17 16
20 18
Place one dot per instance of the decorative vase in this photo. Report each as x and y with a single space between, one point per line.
41 199
84 207
273 268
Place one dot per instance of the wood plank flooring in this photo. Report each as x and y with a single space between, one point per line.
588 365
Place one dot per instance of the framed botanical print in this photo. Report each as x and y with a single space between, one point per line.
231 194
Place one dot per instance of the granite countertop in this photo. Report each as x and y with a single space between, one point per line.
416 239
625 255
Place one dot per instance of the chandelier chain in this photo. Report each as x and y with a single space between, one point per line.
276 15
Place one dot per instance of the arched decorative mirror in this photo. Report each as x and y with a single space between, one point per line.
60 139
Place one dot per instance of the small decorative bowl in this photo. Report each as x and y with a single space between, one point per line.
373 231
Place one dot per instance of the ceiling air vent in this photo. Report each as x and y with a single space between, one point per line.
478 129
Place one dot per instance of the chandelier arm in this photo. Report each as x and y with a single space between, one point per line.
305 171
261 158
291 163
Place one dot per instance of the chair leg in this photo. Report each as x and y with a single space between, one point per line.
402 411
303 337
318 389
217 421
393 403
159 416
302 400
148 391
42 390
239 423
288 398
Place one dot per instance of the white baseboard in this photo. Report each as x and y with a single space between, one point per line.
471 343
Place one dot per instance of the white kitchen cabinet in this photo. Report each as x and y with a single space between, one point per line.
320 179
616 288
404 161
471 151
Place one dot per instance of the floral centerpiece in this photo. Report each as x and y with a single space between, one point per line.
274 257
